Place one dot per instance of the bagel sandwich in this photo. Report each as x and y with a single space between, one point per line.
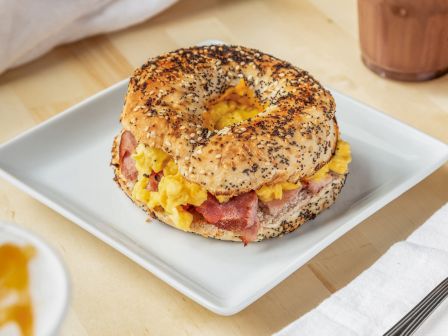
229 143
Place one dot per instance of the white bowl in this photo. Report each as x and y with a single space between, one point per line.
49 284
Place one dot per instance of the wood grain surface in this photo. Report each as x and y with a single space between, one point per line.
112 295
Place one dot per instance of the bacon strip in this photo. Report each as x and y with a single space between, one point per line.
127 163
154 180
239 214
275 206
316 186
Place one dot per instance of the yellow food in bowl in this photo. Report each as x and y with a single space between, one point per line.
15 297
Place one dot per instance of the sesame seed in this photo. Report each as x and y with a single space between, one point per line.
218 156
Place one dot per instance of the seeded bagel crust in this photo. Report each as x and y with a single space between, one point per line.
295 213
295 135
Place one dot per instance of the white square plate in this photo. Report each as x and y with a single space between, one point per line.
64 163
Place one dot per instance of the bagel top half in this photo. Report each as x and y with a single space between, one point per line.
294 134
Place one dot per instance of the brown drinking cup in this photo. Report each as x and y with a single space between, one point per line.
404 39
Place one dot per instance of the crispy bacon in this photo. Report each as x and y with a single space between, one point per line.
239 214
127 163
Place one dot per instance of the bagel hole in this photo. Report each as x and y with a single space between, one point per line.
236 104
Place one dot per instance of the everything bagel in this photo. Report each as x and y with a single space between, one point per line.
229 142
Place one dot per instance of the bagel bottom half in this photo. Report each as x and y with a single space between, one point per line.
303 207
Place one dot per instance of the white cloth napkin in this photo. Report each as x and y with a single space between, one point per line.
384 293
29 28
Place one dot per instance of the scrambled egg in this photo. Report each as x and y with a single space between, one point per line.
223 198
173 190
235 105
338 163
148 160
269 193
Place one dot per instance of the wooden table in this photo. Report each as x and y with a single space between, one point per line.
114 296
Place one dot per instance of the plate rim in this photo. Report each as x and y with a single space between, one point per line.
208 301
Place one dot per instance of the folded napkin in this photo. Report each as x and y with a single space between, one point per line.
378 298
29 28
